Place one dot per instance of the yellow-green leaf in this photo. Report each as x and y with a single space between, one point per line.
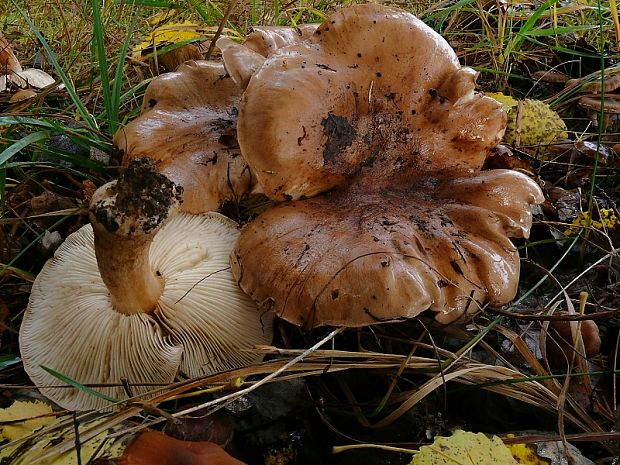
33 415
465 448
23 419
177 33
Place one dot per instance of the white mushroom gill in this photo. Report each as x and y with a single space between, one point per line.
70 327
201 306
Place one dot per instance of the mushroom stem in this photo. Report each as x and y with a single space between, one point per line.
126 214
125 269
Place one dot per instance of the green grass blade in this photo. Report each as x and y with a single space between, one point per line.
151 3
70 88
98 37
3 199
78 386
17 120
22 143
253 15
83 137
8 360
516 41
118 77
209 15
443 14
276 12
560 30
557 48
601 115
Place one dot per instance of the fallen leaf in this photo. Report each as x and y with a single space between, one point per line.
26 418
465 448
169 34
34 415
526 454
155 448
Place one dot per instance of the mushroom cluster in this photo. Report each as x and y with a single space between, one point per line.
370 134
188 123
142 295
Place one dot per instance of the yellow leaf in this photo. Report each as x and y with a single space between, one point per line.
506 100
32 415
465 448
26 418
100 445
174 33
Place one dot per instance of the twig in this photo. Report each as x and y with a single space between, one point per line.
218 33
229 398
564 317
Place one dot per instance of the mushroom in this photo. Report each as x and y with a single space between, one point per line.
9 63
169 61
155 448
188 127
560 341
242 61
266 40
373 87
142 295
593 105
358 257
374 118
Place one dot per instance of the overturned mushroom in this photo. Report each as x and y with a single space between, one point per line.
188 126
12 72
375 109
141 296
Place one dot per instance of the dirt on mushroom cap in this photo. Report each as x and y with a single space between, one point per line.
355 257
374 93
142 199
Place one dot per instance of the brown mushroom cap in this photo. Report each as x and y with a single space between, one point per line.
266 40
560 343
611 103
242 61
188 126
169 61
374 93
356 257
